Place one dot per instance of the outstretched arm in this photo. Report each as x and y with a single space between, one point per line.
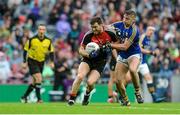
124 46
146 51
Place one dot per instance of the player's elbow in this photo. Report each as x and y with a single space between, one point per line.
80 50
121 48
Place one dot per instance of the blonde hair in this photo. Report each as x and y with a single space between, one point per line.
151 28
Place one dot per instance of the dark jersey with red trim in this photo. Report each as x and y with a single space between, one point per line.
101 39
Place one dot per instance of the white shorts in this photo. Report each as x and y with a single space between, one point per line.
143 69
125 61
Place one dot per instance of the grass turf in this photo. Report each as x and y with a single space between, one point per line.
92 108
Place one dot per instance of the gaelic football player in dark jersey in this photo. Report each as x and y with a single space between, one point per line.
92 64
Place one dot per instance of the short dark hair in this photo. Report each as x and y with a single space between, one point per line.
96 19
41 25
130 12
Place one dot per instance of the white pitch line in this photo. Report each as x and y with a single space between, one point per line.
131 107
145 108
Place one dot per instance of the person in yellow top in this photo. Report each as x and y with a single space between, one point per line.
36 50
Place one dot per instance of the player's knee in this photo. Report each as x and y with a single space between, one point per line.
38 79
128 80
148 77
132 69
90 83
80 76
115 80
118 80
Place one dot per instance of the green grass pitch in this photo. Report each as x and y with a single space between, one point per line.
92 108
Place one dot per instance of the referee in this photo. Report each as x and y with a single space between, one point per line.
36 50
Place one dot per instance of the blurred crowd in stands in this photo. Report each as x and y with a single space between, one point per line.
68 20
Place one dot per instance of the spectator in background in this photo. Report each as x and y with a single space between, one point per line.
5 70
163 81
16 77
73 35
8 46
53 16
63 27
67 85
26 35
155 65
176 17
61 70
17 35
47 75
173 50
35 13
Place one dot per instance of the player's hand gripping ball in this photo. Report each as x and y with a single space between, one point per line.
94 54
92 49
107 48
92 46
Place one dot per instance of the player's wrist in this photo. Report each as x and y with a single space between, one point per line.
153 53
87 55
